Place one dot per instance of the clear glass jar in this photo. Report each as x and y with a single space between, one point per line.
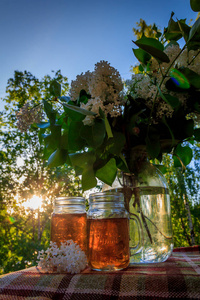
69 221
108 232
148 202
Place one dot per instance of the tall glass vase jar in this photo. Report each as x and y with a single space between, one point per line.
147 199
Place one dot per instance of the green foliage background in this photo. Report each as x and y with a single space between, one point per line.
23 233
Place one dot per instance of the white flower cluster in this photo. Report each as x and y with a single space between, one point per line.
172 52
81 83
104 85
28 115
67 258
145 86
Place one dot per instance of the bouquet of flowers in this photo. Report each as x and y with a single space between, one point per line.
158 110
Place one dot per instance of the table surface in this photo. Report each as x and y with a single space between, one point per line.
177 278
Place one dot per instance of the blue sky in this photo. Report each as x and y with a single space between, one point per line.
44 35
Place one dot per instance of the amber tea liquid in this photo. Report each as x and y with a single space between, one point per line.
69 227
108 245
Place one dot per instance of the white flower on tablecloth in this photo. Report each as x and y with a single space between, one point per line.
67 258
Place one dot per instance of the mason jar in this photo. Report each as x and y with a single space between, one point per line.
69 221
108 232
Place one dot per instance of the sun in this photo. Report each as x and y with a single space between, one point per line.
34 203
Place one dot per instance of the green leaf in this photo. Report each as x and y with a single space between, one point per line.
185 29
85 161
95 134
49 142
197 134
57 158
193 77
116 144
108 128
80 110
153 143
170 131
195 30
194 44
197 106
83 97
74 115
195 5
65 99
78 171
142 55
43 125
171 100
56 134
108 172
122 164
153 47
189 127
150 42
82 160
141 69
88 179
107 124
173 32
64 140
171 86
75 141
182 156
177 30
162 168
55 89
50 112
179 79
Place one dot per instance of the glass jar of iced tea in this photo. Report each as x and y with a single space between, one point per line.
69 221
108 232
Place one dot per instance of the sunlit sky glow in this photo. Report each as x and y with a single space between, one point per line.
44 35
34 203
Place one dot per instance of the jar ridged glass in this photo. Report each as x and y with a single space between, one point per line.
69 221
108 232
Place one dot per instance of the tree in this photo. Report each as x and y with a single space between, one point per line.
184 196
23 233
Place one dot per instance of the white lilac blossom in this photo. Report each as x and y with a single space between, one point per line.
67 258
106 83
81 83
146 85
28 115
143 86
105 86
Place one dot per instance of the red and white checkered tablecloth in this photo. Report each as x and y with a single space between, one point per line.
177 278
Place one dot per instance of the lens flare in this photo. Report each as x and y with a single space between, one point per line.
179 79
11 220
